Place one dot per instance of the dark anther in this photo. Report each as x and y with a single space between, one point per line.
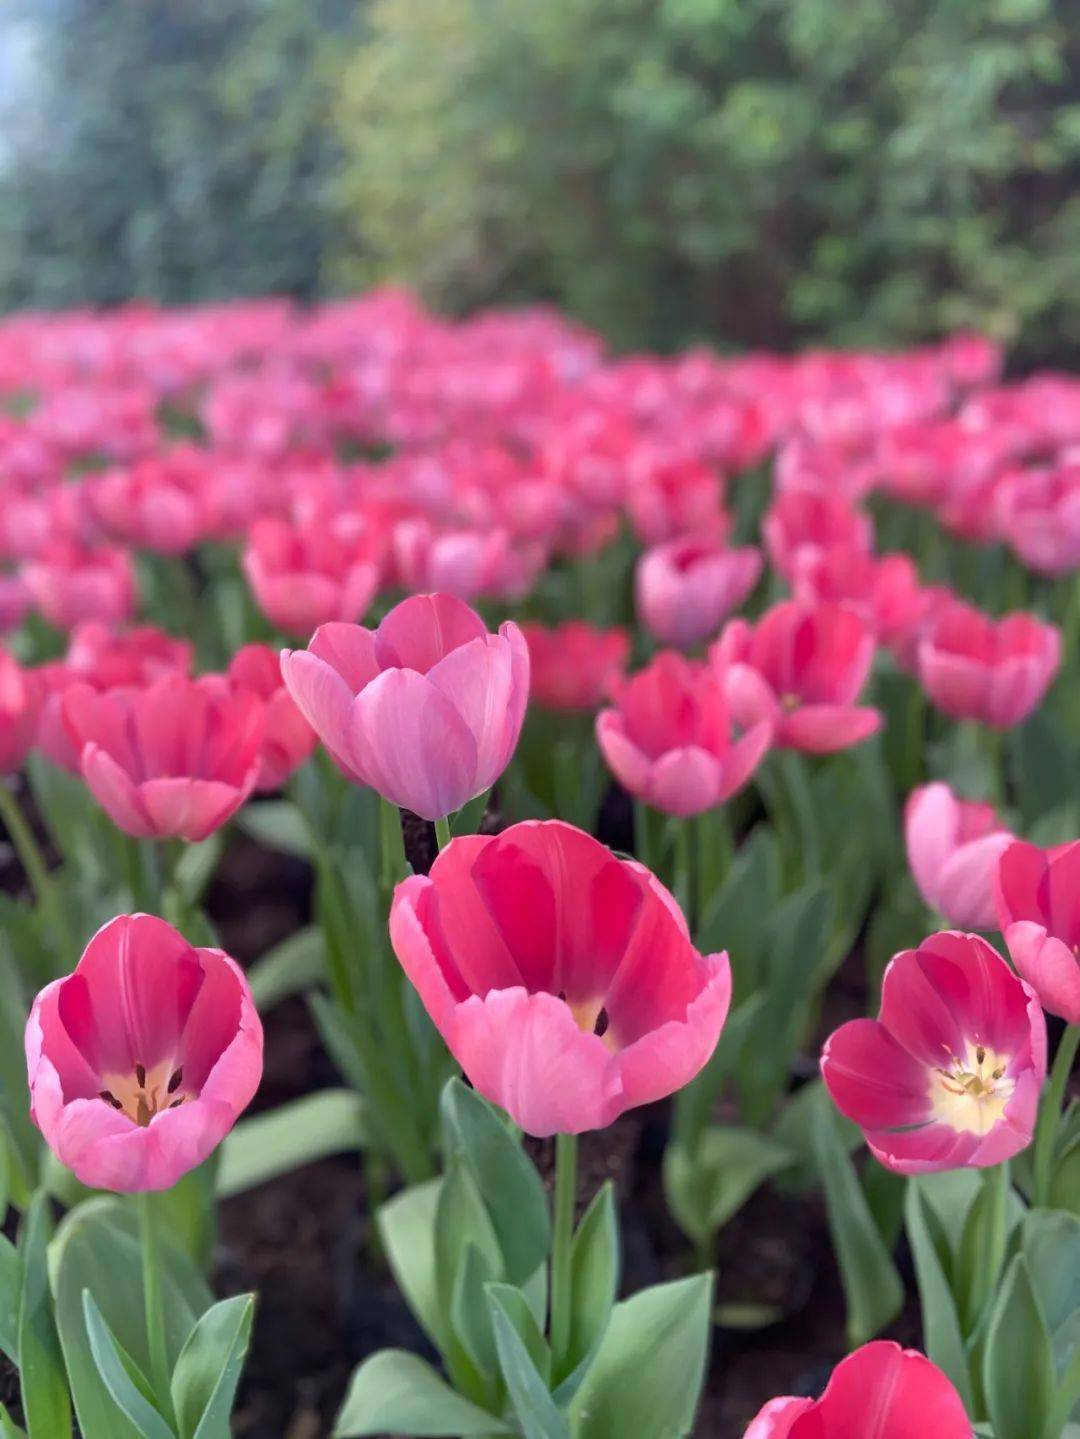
600 1028
177 1103
176 1079
140 1075
980 1054
110 1099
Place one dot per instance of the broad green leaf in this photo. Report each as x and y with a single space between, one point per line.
505 1177
296 964
594 1275
10 1285
519 1311
708 1185
45 1400
461 1217
196 865
872 1287
1050 1240
208 1370
732 920
397 1393
97 1248
694 1102
943 1338
277 824
469 1313
8 1428
114 1375
536 1412
1018 1362
646 1378
330 1121
470 817
406 1227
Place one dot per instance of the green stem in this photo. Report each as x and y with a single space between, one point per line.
442 832
682 873
393 866
34 866
154 1309
715 849
562 1224
1050 1114
995 1235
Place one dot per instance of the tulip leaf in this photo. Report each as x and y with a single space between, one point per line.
196 865
537 1413
277 1141
943 1338
469 818
732 918
1018 1361
277 824
519 1311
45 1399
694 1102
97 1249
505 1176
113 1368
296 964
647 1374
469 1314
208 1370
398 1393
706 1186
872 1287
406 1227
594 1281
1051 1247
461 1217
10 1285
8 1428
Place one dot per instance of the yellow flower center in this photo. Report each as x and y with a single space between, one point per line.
970 1093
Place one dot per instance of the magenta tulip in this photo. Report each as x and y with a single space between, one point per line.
1038 909
953 848
426 709
141 1061
669 740
948 1076
879 1392
562 979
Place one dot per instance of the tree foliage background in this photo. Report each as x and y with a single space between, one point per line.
745 171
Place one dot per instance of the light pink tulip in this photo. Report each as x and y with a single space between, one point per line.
953 848
69 583
668 740
141 1061
686 588
426 709
1038 908
800 668
176 758
879 1392
562 979
308 574
949 1074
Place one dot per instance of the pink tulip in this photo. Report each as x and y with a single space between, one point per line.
14 602
466 563
669 741
1038 908
685 588
562 979
884 589
801 668
949 1074
157 503
307 575
997 671
879 1392
1038 514
672 495
141 1061
288 739
20 704
177 758
426 709
574 665
69 583
801 522
953 848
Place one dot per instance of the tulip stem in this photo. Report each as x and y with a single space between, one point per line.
155 1313
34 866
1050 1113
682 884
562 1225
442 832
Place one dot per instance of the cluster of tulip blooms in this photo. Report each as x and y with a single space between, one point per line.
647 599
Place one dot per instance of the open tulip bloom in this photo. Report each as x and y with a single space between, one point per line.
996 671
141 1060
879 1392
563 979
949 1074
426 709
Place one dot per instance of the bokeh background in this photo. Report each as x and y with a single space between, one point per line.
751 172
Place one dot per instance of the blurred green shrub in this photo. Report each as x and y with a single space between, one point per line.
759 170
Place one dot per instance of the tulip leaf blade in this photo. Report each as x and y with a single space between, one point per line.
943 1337
10 1284
296 964
505 1176
400 1393
537 1413
647 1374
208 1369
707 1186
406 1225
594 1280
298 1132
45 1399
1018 1361
114 1367
873 1291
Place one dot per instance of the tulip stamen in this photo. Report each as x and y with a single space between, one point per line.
143 1094
110 1098
970 1092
